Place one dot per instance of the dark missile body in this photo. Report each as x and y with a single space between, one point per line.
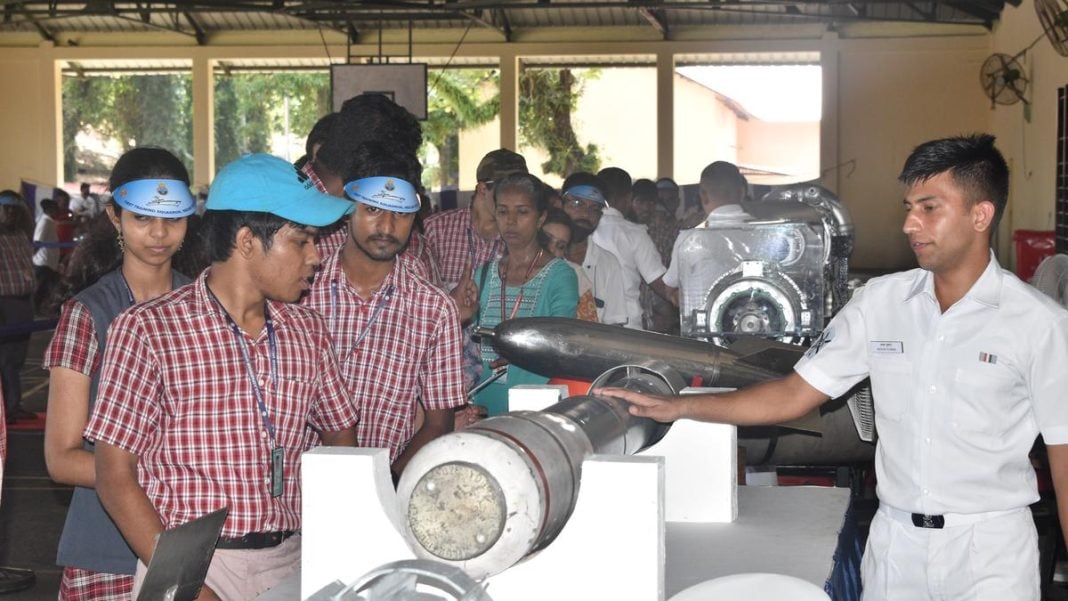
572 348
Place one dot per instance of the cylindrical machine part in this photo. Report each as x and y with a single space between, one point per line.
486 497
571 348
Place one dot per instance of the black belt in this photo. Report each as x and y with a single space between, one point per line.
255 540
920 520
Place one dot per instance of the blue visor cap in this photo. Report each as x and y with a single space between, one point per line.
9 199
169 198
586 192
263 183
386 193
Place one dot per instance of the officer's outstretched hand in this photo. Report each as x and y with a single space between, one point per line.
659 408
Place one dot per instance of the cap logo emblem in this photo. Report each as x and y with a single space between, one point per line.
390 185
301 176
161 188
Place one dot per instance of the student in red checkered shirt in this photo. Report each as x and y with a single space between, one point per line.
210 394
16 292
397 337
123 259
463 239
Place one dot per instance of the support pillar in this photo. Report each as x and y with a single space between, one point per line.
203 122
830 168
509 114
665 114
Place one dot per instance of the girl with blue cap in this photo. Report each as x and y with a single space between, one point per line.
124 259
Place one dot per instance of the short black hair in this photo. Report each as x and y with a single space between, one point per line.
974 163
320 132
527 184
724 181
219 230
368 118
379 158
645 189
617 183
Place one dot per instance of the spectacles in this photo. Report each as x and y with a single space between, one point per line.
581 204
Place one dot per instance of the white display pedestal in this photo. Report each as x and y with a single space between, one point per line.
612 547
644 527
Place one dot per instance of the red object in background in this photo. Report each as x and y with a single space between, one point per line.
65 231
1031 247
574 387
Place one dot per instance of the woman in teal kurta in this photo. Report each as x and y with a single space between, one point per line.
527 281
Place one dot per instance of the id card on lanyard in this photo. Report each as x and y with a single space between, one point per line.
276 461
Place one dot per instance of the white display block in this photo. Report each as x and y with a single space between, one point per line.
350 521
535 397
612 547
701 472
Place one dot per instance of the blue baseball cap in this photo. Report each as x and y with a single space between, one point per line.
386 193
267 184
8 198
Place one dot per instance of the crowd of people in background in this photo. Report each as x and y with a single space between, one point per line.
322 302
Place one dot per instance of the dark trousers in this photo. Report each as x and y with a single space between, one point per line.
47 279
13 349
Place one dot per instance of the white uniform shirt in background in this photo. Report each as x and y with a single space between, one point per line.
631 245
604 272
959 396
45 231
727 214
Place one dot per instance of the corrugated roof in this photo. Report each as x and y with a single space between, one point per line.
196 18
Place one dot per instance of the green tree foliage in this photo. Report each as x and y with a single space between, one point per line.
461 99
250 107
135 110
458 99
547 97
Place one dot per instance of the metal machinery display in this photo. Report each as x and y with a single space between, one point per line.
780 275
483 498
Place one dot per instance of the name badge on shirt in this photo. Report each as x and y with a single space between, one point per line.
886 347
277 471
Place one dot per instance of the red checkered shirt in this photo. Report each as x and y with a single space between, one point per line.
16 264
308 170
175 391
416 255
74 344
411 353
454 245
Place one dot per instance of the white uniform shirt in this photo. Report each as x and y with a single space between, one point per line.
85 207
45 231
603 270
631 245
727 214
959 396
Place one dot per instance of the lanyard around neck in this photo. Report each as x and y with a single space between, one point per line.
257 390
375 313
522 288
